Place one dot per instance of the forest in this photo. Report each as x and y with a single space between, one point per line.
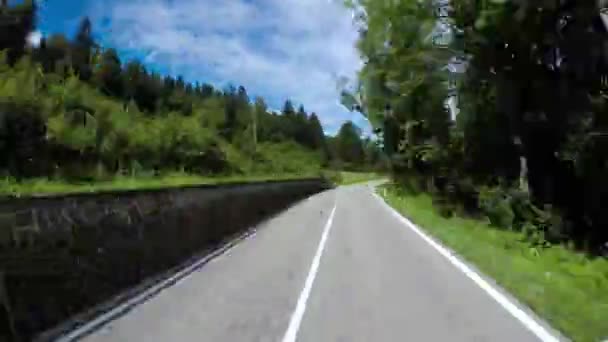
529 147
72 110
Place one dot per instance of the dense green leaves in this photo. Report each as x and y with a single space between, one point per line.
108 75
531 103
349 145
82 51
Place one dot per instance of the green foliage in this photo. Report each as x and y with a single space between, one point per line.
107 75
496 204
143 180
532 104
399 59
335 177
286 157
348 144
347 178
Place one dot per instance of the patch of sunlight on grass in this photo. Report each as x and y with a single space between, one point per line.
567 288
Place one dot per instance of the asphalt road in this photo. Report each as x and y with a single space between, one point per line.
338 266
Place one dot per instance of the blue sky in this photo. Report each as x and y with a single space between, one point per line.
277 49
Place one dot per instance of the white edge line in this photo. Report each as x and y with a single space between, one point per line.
125 306
528 322
296 318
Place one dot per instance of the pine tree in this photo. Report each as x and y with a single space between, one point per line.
230 112
317 137
288 109
349 145
108 75
83 50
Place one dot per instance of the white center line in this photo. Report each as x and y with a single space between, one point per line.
296 318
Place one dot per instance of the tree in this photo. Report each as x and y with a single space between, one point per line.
372 152
242 97
57 55
259 116
243 107
545 73
207 90
288 109
180 84
83 50
302 116
17 22
532 94
132 73
230 112
401 88
168 85
22 139
108 75
149 93
349 146
302 129
317 137
288 124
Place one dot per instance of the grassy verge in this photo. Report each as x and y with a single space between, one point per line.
347 177
568 289
36 186
9 186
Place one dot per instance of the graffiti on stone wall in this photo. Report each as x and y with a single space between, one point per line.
20 228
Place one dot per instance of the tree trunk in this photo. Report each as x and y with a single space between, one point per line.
523 174
255 130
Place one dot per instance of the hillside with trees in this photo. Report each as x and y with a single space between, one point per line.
72 109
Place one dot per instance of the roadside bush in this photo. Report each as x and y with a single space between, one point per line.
466 194
23 144
513 209
334 176
213 160
495 203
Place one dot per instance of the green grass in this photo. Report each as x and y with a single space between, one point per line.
567 288
347 178
37 186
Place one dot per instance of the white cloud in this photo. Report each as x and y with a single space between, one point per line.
33 39
276 48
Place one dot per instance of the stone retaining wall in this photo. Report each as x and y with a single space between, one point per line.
61 255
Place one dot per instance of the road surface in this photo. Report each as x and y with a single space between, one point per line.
338 266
